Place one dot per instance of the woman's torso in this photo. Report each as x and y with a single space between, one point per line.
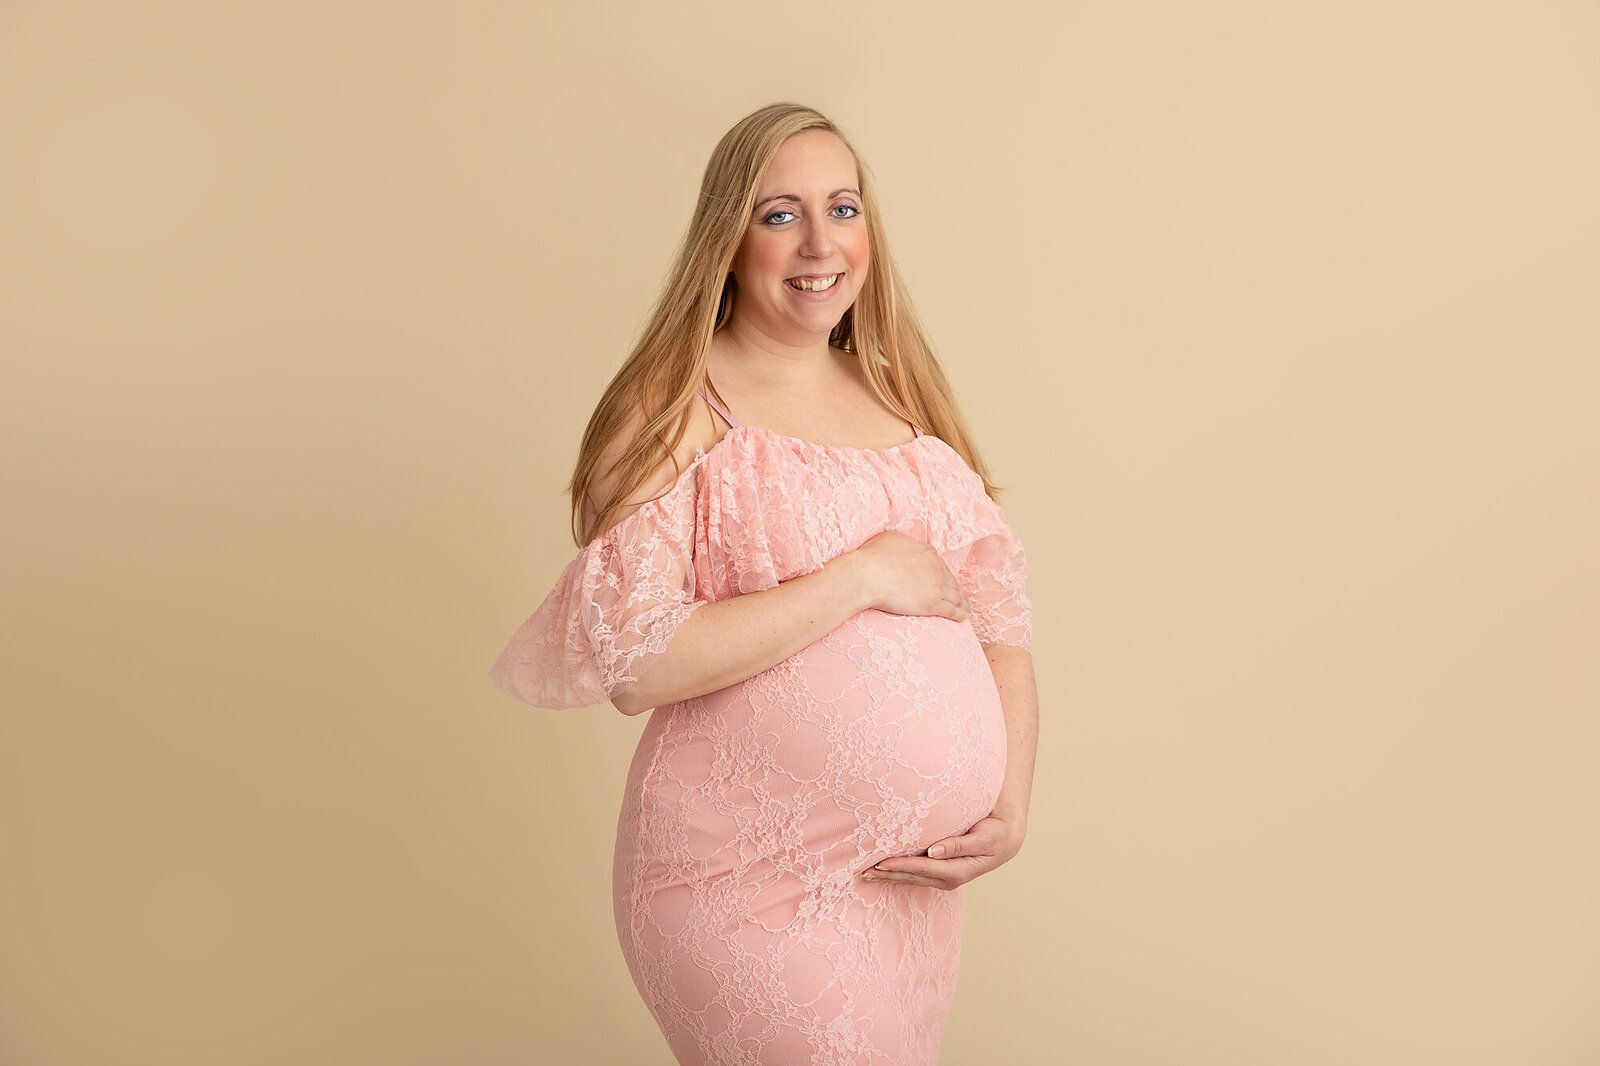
878 739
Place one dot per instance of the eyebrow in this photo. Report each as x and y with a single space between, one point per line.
792 196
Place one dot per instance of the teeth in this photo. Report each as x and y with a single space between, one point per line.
808 285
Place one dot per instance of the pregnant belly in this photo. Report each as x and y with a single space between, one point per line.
923 737
876 740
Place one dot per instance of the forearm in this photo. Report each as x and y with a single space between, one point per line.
725 642
1019 700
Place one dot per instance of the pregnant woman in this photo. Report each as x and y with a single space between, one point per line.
791 553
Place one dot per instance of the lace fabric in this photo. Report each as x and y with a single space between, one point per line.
749 811
613 610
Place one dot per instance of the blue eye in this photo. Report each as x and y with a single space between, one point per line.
851 211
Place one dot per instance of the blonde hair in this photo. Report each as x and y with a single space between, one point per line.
659 380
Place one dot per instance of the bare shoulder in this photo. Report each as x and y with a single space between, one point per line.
700 434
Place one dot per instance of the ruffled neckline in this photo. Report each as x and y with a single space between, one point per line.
736 433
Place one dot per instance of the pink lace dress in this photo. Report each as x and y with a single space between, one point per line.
749 811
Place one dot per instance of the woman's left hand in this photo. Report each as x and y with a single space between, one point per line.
956 860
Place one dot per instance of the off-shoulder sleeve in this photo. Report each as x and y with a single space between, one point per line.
995 579
612 612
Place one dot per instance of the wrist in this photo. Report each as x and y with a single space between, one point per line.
853 572
1012 815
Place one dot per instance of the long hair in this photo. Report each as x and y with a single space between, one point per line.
656 386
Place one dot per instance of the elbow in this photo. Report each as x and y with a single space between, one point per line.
640 695
627 701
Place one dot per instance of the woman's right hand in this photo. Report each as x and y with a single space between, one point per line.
904 575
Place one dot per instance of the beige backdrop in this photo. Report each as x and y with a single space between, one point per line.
1279 322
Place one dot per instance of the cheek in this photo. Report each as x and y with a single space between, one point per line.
760 254
855 250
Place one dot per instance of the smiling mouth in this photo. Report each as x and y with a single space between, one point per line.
814 284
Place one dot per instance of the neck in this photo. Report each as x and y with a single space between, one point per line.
772 362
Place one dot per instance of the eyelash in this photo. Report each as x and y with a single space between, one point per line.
852 207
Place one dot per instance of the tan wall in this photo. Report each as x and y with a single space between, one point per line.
1280 325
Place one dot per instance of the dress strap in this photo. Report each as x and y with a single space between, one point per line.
917 430
721 410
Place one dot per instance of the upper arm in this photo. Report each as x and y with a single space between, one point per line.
615 607
660 478
607 474
995 578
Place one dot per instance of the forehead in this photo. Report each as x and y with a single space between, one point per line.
807 160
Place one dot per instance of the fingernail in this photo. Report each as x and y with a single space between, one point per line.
937 851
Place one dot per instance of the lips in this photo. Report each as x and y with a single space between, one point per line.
814 282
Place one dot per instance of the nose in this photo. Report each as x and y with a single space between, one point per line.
816 240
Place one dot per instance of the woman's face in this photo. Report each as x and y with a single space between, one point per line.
807 229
